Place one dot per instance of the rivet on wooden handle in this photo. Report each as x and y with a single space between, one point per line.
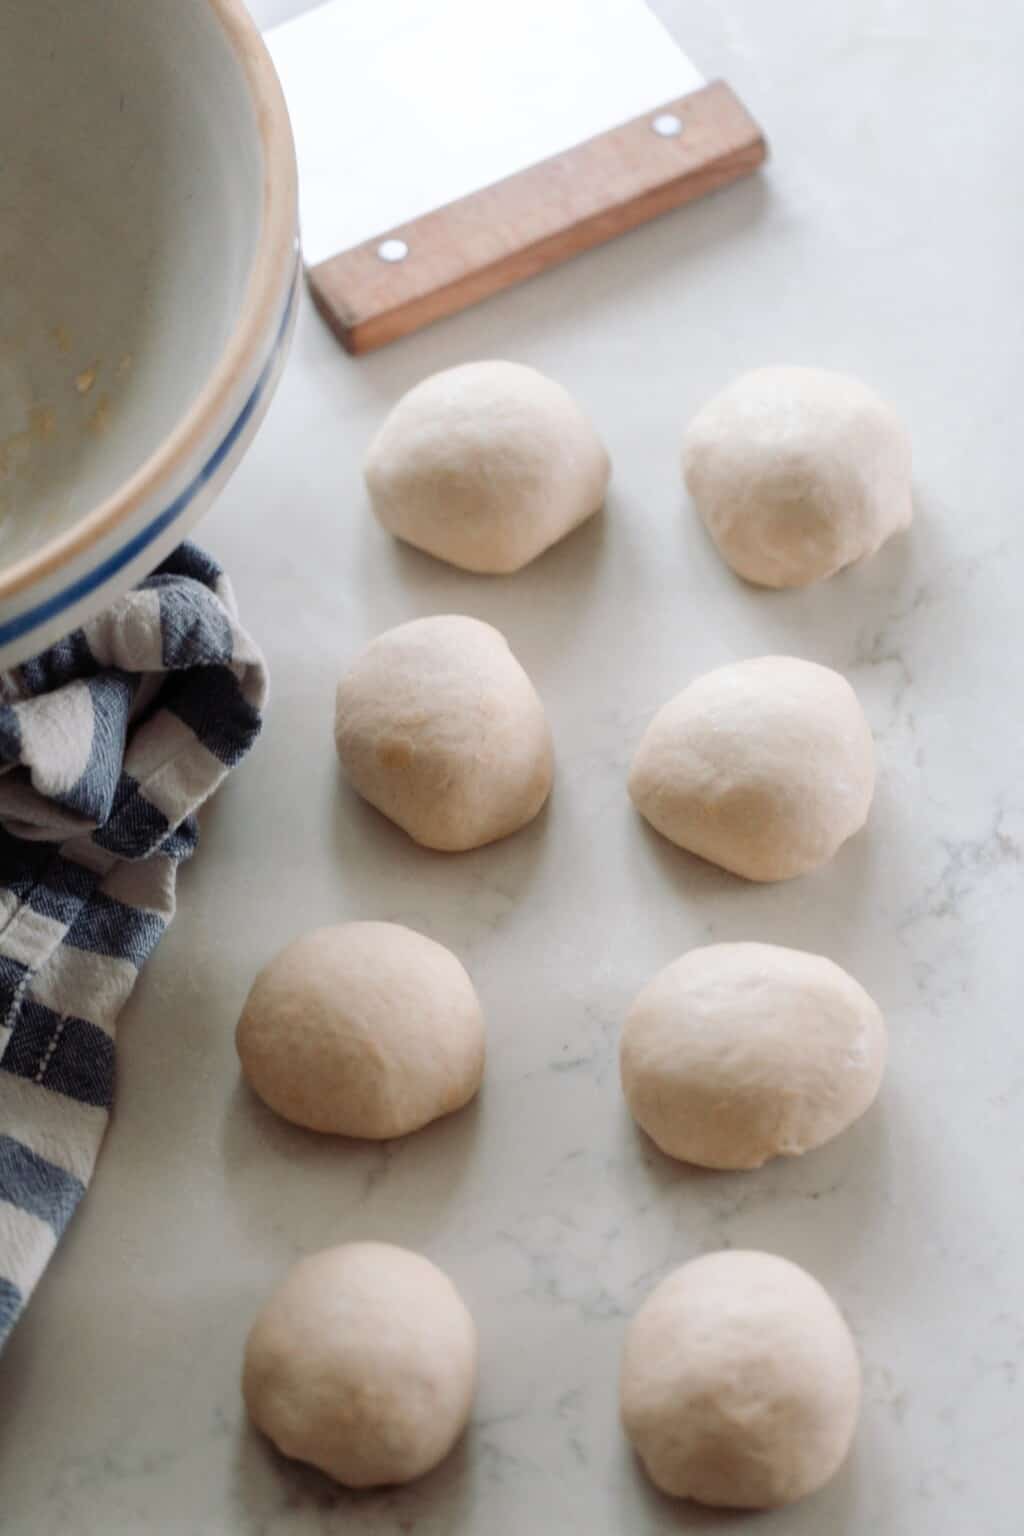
541 216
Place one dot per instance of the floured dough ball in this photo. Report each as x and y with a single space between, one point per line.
740 1382
364 1364
797 472
439 727
486 466
368 1029
764 767
736 1053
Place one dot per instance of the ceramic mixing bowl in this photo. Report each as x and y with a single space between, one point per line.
148 285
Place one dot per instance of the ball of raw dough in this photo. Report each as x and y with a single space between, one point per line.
797 472
368 1030
486 466
764 767
364 1364
736 1053
740 1382
439 727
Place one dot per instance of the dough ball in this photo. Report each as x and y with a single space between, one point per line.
765 767
368 1029
741 1052
740 1382
797 472
439 727
364 1364
486 466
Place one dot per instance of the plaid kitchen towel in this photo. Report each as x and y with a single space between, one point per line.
109 743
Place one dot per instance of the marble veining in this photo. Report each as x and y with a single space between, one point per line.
882 239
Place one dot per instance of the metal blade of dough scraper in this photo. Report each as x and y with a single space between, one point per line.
448 148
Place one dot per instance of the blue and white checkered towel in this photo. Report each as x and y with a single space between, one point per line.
109 743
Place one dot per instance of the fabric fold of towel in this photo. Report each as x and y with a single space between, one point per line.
109 743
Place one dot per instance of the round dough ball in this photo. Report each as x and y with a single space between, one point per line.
367 1030
439 727
736 1053
797 472
765 767
364 1364
486 466
740 1382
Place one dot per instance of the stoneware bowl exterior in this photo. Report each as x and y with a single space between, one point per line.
150 278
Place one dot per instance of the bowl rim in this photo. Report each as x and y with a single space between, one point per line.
268 281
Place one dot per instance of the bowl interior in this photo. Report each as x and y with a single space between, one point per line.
131 194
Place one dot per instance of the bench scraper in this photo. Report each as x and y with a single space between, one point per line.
450 148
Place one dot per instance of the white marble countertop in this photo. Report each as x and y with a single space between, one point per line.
886 238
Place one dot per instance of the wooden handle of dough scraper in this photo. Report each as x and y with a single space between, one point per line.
451 258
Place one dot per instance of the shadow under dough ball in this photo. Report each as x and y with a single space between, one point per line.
798 472
364 1364
439 727
740 1383
486 466
764 767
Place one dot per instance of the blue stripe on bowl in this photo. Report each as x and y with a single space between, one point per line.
76 590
